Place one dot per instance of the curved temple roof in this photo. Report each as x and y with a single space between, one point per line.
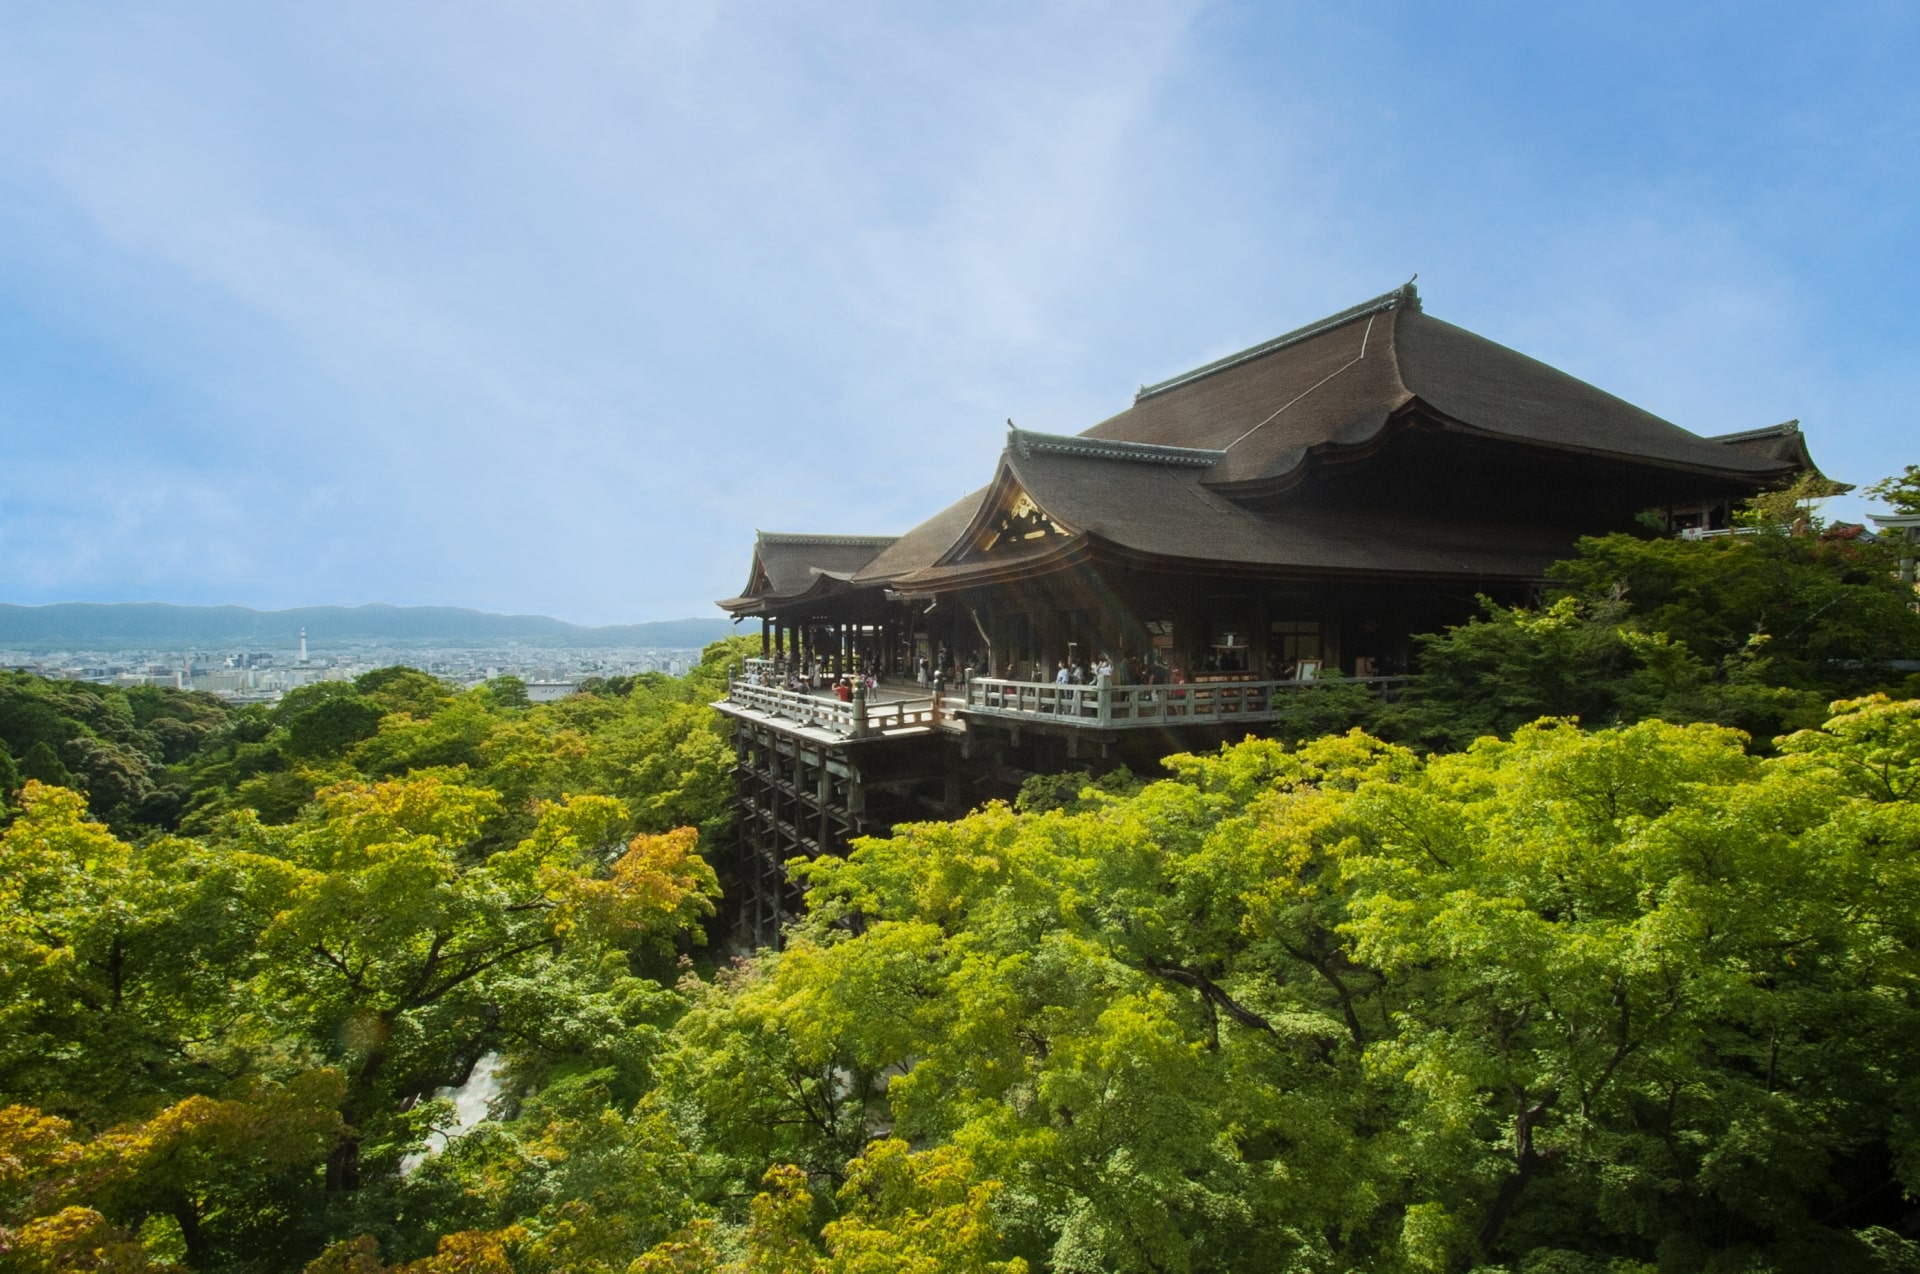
1173 474
1337 382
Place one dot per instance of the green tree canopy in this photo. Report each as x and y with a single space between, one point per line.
1565 998
1755 631
1902 490
1633 992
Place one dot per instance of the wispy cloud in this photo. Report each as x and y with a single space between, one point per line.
545 307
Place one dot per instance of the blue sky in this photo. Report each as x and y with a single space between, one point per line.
546 307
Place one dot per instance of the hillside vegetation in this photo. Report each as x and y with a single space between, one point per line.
1478 990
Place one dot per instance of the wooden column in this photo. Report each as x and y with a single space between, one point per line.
826 805
766 637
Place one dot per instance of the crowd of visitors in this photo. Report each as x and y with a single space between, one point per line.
942 670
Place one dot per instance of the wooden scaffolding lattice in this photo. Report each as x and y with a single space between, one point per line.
794 797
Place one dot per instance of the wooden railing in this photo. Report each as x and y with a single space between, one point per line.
1096 707
855 719
1106 707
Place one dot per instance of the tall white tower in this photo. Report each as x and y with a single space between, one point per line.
303 647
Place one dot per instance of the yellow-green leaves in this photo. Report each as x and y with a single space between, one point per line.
915 1213
69 1201
1349 1008
1871 745
656 890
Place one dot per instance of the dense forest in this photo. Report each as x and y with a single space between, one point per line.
1595 951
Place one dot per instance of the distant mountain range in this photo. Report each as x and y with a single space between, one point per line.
140 625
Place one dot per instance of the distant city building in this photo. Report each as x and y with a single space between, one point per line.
251 676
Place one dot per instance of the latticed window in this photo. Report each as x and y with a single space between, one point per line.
1291 640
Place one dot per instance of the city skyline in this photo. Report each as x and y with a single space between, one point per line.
546 311
260 674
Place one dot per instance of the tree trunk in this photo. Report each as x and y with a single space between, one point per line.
188 1219
1525 1161
343 1163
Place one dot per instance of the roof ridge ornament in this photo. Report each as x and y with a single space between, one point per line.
1028 443
1405 294
786 537
1780 430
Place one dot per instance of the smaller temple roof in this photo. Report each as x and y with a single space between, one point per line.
922 546
1782 443
787 567
1165 511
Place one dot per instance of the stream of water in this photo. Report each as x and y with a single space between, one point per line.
470 1102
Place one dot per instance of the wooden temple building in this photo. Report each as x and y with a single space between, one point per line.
1241 530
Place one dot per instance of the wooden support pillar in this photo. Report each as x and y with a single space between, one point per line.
826 804
773 878
766 637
